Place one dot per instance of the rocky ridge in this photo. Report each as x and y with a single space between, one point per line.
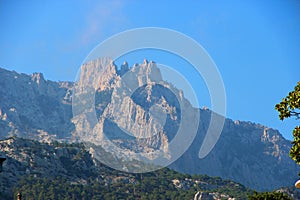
32 107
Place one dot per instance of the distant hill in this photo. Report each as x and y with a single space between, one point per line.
34 108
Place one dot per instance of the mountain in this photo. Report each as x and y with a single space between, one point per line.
111 109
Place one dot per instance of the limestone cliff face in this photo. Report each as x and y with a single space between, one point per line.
98 74
122 98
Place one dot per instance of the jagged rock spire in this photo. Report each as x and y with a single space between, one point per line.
145 61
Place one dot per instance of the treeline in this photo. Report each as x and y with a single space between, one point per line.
60 189
107 183
154 185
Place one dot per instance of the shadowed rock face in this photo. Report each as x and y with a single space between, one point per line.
32 107
2 159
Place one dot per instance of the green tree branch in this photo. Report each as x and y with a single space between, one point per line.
290 107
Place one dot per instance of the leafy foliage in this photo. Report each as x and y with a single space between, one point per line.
290 107
269 196
153 185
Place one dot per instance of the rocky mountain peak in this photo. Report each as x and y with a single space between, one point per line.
125 92
124 68
103 74
97 73
38 78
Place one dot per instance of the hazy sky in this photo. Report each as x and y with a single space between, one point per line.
255 44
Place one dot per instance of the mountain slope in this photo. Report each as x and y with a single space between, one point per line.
249 153
68 171
31 106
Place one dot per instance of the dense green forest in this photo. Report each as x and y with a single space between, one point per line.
154 185
82 180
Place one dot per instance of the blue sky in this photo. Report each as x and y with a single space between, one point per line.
255 44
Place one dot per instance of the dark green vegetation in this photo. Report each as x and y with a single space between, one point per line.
269 196
67 171
71 174
290 107
155 185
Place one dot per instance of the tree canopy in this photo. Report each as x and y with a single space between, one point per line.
290 107
269 196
